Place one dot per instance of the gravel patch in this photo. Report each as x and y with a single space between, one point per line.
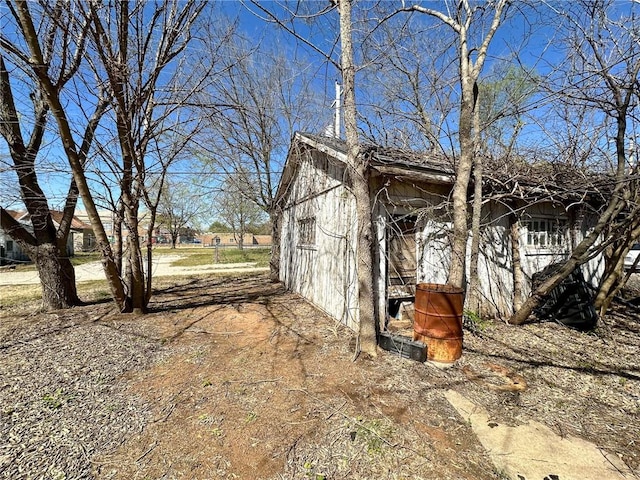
62 393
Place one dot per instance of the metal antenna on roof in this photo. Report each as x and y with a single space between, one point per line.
336 105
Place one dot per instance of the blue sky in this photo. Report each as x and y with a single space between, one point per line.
523 34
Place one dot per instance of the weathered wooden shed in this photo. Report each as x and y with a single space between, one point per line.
412 225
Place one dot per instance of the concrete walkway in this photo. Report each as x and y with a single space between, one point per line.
161 268
534 452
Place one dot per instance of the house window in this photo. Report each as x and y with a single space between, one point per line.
307 228
545 232
9 245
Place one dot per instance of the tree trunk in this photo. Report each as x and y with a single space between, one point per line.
367 330
609 287
118 243
461 23
276 231
111 269
57 277
149 276
475 295
52 95
56 272
614 277
518 278
136 284
367 334
44 239
149 251
459 194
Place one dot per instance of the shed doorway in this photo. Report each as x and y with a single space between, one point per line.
401 273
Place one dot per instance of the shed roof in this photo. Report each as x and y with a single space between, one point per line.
515 179
400 163
15 213
544 180
384 157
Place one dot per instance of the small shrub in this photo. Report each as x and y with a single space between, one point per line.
372 433
473 322
56 399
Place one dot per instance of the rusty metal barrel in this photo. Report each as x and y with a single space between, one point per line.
438 320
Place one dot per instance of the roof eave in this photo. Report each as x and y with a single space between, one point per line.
337 154
300 139
416 175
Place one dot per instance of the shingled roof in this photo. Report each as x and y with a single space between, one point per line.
516 179
379 156
56 216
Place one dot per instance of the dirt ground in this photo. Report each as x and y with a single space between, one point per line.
236 378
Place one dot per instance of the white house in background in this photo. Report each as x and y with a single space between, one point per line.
412 227
108 222
10 252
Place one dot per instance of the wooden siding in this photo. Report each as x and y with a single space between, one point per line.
495 262
434 251
324 273
16 254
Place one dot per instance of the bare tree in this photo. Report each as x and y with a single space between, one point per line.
357 172
413 105
61 54
498 122
602 73
133 47
356 169
510 94
471 62
46 81
265 97
235 210
180 205
408 91
139 49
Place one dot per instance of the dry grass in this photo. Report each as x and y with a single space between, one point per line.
235 378
12 296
